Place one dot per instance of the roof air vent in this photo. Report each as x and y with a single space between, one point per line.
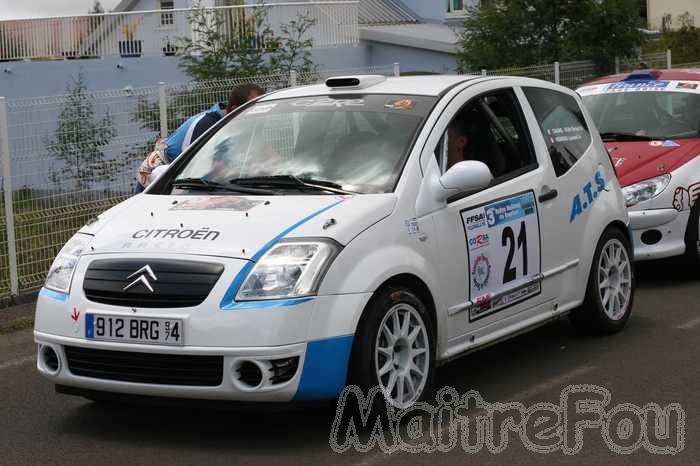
354 82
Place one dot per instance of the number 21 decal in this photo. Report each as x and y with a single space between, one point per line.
503 248
510 273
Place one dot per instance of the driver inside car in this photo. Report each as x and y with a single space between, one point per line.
470 138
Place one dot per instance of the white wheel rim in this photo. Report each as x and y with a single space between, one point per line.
402 355
614 279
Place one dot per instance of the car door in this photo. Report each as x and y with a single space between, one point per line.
563 139
489 242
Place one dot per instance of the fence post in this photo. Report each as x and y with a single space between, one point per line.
292 78
669 65
557 73
163 105
483 72
397 70
7 187
617 65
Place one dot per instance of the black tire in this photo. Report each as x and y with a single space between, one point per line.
591 317
363 362
692 238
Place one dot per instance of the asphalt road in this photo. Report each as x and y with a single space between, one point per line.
655 360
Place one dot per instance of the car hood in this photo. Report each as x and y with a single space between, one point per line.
637 161
230 226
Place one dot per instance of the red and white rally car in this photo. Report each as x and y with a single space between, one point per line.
650 123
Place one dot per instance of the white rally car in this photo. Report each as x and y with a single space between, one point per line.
358 232
650 123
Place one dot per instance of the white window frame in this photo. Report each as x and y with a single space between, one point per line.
167 20
452 13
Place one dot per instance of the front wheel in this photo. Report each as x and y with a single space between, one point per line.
394 348
610 288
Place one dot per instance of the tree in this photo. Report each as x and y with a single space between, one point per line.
292 51
232 43
507 33
684 42
79 139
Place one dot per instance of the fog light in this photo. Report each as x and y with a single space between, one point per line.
49 359
248 374
651 237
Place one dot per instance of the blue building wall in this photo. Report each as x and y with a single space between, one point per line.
411 59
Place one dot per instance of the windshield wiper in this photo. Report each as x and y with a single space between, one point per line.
291 181
202 184
624 137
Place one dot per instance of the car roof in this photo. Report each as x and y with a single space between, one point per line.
432 85
688 74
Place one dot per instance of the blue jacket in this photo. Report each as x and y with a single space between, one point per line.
190 130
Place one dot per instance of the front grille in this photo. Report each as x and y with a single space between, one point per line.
160 369
177 283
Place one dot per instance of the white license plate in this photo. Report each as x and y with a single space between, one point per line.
134 329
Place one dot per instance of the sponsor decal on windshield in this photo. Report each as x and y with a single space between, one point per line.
227 203
260 109
638 86
401 104
686 86
328 102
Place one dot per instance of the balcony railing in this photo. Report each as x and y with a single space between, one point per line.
160 32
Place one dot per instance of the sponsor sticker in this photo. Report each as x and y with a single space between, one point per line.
261 109
401 104
685 198
656 143
669 143
412 226
590 193
481 272
640 85
686 86
503 252
329 103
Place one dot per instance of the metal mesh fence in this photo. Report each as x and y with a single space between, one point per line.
75 155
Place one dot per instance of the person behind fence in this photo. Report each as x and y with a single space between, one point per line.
169 149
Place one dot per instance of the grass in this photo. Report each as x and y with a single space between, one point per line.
21 323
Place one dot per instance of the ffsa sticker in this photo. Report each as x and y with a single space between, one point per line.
503 248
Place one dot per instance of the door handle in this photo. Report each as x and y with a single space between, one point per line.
548 195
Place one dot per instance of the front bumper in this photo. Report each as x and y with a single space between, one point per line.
318 331
321 372
658 233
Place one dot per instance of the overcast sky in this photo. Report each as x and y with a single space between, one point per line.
15 9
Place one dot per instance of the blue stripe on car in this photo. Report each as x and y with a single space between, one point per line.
325 368
53 294
228 303
267 304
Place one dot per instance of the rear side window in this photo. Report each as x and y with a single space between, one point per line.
562 124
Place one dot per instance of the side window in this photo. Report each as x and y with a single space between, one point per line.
490 129
562 124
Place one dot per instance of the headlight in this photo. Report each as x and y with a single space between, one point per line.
61 271
291 269
645 190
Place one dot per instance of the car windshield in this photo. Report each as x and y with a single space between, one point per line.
645 114
351 143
